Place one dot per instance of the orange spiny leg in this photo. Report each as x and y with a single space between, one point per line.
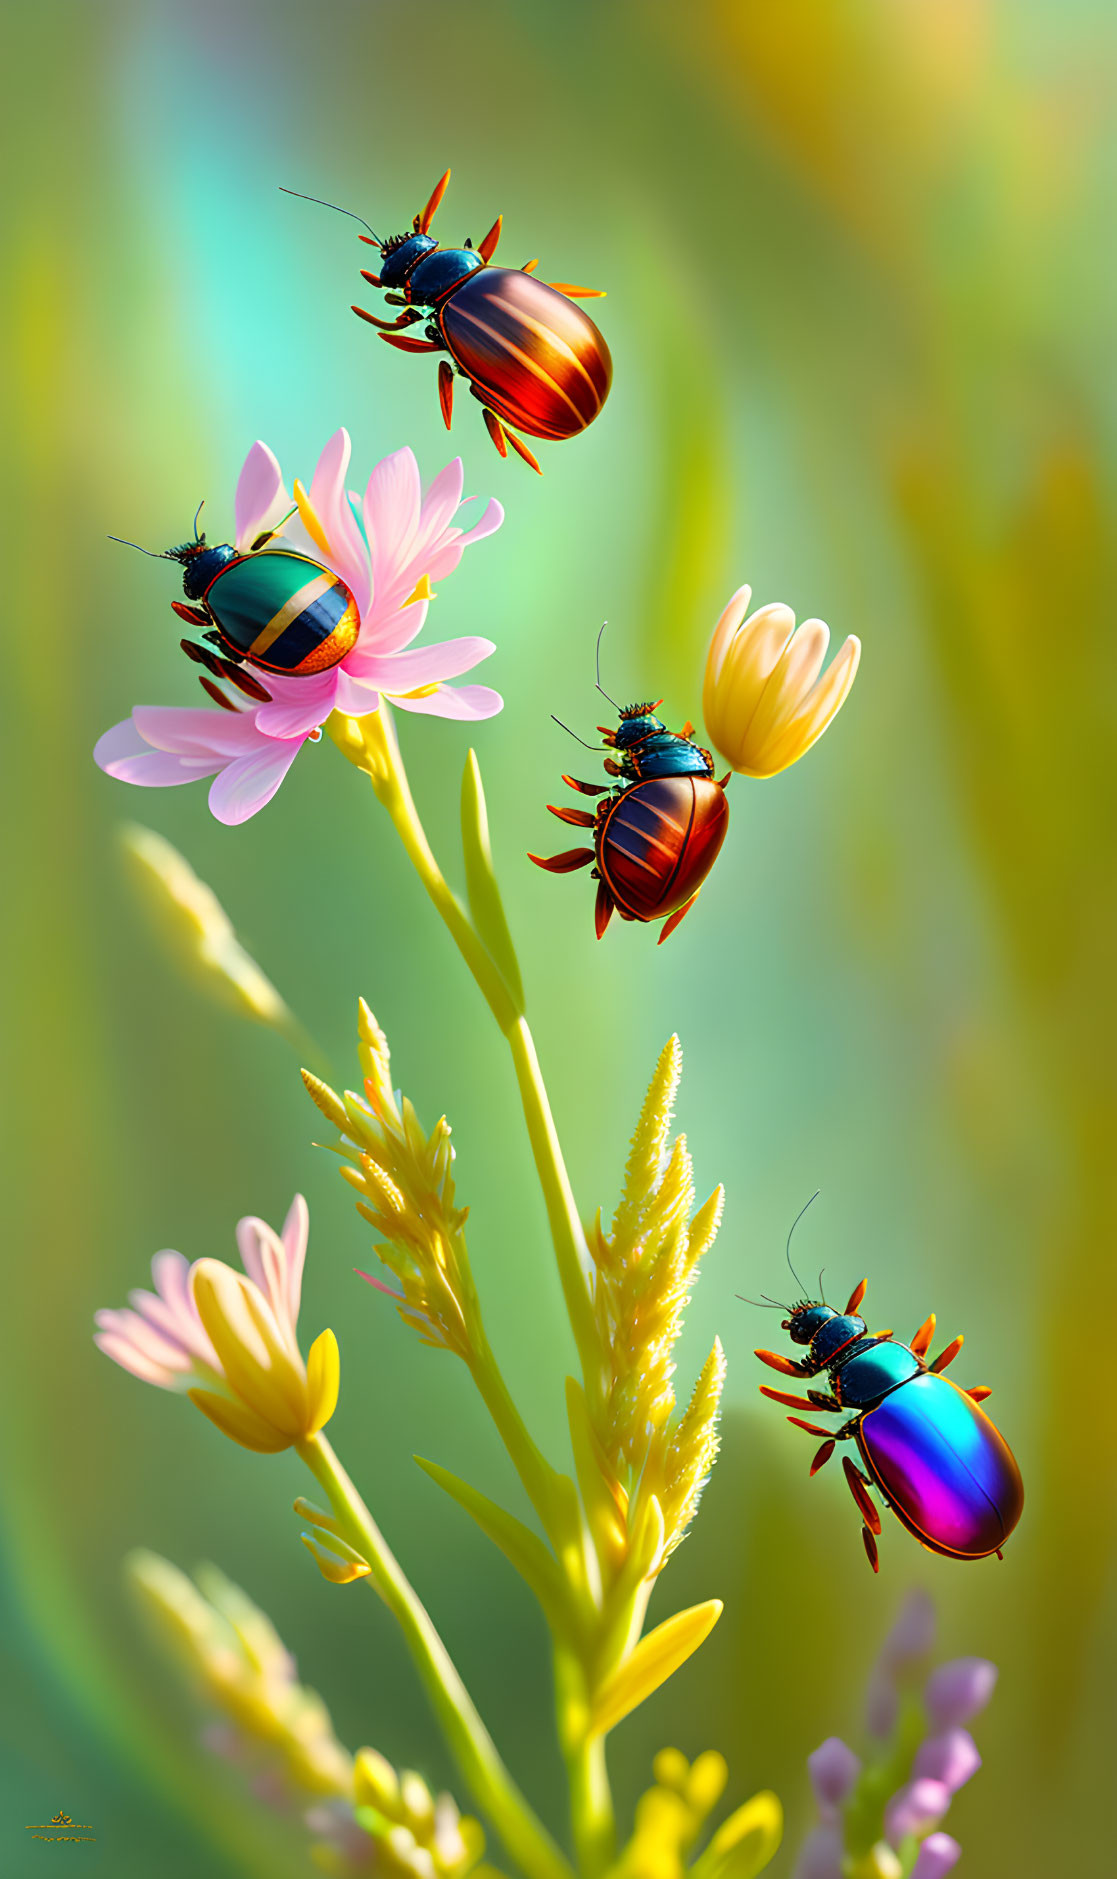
577 293
587 789
529 267
566 863
787 1366
424 219
859 1488
446 391
949 1354
822 1456
487 248
407 318
687 731
870 1546
611 768
978 1392
786 1400
857 1295
214 691
411 345
496 431
680 913
603 909
194 616
812 1428
921 1341
522 450
581 818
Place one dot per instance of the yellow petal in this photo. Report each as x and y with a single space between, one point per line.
257 1364
422 590
744 1844
337 1562
789 685
323 1379
310 519
655 1658
235 1420
792 740
749 664
724 633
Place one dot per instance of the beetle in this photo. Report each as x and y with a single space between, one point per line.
532 358
929 1449
281 612
656 837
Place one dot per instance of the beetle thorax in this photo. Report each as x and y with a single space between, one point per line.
400 254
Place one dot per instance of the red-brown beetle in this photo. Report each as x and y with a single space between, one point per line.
656 838
533 359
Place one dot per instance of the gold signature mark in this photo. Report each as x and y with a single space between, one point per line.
42 1829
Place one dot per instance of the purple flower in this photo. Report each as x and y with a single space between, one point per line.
821 1856
833 1770
951 1758
914 1808
936 1856
958 1690
913 1634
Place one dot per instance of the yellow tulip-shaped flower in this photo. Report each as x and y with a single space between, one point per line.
208 1324
763 701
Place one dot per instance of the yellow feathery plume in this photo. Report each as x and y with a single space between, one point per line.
402 1178
692 1450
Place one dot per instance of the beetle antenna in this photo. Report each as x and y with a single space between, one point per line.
574 735
197 513
333 205
157 554
768 1304
821 1293
600 686
787 1249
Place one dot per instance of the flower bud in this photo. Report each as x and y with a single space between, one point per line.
914 1808
958 1690
833 1770
951 1758
938 1854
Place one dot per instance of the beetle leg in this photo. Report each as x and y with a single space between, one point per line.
815 1399
870 1546
822 1456
194 616
426 216
680 913
812 1428
529 267
923 1336
978 1392
567 862
859 1488
226 669
446 390
522 450
577 293
587 789
580 818
407 344
487 248
496 431
214 691
786 1365
948 1355
856 1296
603 909
408 318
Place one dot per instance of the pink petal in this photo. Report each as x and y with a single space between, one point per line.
247 785
196 732
354 698
298 706
488 525
296 1231
261 498
122 753
466 702
387 629
392 507
328 498
430 665
124 1354
440 505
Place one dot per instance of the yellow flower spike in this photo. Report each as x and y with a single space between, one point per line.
693 1448
706 1782
326 1099
375 1783
418 1803
745 1843
763 701
310 519
671 1769
654 1659
338 1562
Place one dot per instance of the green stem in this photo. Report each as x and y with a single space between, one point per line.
525 1837
592 1820
389 779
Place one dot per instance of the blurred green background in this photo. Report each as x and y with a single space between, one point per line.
861 312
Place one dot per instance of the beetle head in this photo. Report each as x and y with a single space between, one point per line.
807 1319
400 253
200 564
637 721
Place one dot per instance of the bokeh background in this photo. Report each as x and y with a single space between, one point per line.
860 304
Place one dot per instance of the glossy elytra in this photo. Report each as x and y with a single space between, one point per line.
657 834
929 1450
278 611
533 359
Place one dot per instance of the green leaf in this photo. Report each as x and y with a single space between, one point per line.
655 1658
743 1844
485 904
520 1546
